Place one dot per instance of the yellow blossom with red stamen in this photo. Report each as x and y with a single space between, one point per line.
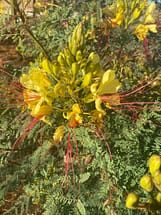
118 19
74 116
109 85
142 30
38 92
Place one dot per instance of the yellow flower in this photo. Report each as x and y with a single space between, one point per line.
118 19
37 92
148 24
58 135
74 116
142 30
107 89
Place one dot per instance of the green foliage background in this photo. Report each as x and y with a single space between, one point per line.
32 178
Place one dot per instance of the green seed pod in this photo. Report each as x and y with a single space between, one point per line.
132 200
154 163
146 183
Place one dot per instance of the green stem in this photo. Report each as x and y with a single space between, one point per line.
23 18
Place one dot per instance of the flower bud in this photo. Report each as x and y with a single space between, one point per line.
157 180
132 200
146 183
158 197
154 163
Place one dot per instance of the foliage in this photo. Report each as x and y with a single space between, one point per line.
76 141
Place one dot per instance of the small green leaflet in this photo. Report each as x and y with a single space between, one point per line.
81 207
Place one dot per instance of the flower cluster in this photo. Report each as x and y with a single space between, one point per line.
72 85
138 13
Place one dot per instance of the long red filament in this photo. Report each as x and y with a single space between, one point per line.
68 156
28 128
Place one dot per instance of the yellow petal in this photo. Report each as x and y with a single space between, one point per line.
59 90
45 120
86 80
27 82
141 31
47 66
58 134
108 76
42 110
98 106
108 83
93 88
109 88
94 58
152 28
150 8
118 19
35 80
149 19
72 114
76 108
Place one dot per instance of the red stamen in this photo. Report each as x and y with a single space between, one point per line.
28 128
145 45
139 103
137 89
68 156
